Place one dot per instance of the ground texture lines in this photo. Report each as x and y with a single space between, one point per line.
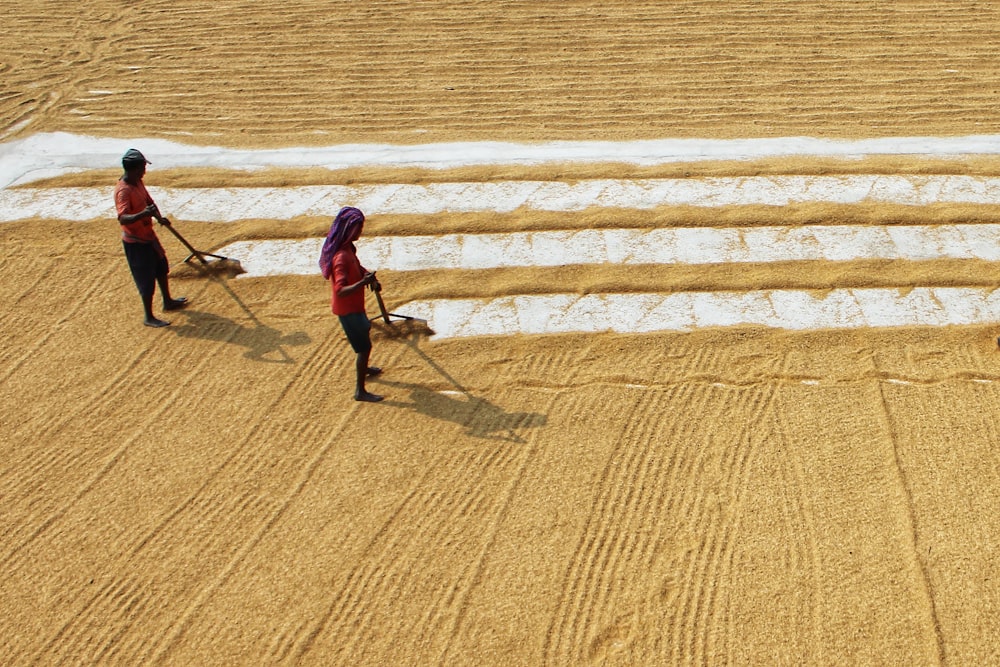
910 511
713 379
586 585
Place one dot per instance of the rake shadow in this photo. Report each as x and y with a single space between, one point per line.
480 417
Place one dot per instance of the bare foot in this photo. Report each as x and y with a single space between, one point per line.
367 397
155 323
176 304
373 371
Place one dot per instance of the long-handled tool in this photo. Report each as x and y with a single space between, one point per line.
199 254
386 314
225 263
376 288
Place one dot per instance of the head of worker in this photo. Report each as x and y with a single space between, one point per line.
134 163
345 228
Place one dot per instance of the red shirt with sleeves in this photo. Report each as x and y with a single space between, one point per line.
347 270
129 200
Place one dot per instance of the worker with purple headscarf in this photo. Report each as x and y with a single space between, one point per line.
340 265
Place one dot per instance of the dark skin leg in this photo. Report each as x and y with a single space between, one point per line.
164 289
361 371
151 320
169 303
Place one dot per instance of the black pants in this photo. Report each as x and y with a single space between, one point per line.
358 330
146 264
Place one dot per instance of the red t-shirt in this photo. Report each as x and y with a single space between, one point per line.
347 270
129 200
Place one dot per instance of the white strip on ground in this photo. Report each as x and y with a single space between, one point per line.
632 247
40 156
687 311
51 154
230 204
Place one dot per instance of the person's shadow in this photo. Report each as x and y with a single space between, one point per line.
480 418
263 343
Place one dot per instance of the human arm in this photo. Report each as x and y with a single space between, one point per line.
162 219
367 279
374 284
149 211
134 204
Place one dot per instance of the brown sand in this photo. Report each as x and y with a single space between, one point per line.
210 494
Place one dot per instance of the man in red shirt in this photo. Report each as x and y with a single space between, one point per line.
340 265
146 257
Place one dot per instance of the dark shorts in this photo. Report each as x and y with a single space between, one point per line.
358 330
146 265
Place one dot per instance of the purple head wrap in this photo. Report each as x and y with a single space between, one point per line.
343 227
